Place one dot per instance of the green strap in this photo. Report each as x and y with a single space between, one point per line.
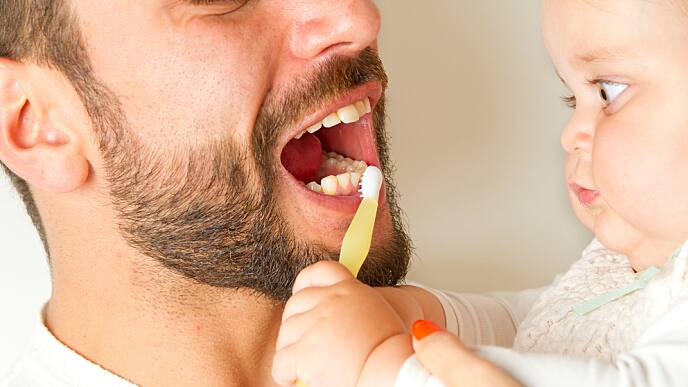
640 282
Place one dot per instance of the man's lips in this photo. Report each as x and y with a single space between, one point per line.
352 143
586 196
371 90
340 204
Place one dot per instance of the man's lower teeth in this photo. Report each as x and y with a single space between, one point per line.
339 175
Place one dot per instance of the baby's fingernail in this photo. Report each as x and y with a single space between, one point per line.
424 328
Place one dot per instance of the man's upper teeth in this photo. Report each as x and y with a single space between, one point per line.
331 120
314 128
348 114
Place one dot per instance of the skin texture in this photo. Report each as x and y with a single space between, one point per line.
183 86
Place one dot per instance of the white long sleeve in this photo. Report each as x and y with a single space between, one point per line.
486 319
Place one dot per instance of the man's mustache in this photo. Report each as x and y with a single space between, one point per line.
329 81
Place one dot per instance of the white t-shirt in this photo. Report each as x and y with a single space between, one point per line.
46 362
640 340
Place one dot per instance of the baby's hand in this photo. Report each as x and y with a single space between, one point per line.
336 331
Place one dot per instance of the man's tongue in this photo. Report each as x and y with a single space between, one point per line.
327 173
302 157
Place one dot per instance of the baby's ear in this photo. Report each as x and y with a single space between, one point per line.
34 143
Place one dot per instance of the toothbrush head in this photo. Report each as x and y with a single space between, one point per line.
371 183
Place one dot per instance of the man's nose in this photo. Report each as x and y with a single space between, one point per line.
579 134
332 27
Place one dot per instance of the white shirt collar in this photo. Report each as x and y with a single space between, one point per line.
47 357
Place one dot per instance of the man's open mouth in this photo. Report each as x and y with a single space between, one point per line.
330 155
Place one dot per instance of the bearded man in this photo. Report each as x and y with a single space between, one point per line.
183 161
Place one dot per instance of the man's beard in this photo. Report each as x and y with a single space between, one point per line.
211 214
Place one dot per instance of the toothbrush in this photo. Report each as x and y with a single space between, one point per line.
356 243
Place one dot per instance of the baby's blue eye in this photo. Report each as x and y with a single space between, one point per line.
610 90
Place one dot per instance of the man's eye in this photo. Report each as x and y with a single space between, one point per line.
609 91
227 6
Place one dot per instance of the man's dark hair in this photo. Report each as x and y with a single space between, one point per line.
41 32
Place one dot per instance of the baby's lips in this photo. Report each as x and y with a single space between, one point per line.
587 197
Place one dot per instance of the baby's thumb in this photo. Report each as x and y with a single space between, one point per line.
321 274
438 350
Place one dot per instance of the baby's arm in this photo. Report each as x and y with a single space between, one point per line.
478 319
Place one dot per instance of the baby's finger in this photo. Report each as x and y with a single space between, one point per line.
440 352
325 273
285 365
295 328
305 300
447 358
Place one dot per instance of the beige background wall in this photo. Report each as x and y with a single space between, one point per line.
475 117
476 114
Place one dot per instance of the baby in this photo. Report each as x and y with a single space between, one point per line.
619 316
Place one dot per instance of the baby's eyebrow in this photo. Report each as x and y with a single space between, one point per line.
602 55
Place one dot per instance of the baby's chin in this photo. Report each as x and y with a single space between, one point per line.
641 249
584 215
610 229
606 227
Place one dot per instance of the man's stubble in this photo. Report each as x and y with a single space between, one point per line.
211 213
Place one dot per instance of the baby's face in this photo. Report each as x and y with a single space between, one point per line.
626 63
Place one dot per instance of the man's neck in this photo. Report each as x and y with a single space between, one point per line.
165 332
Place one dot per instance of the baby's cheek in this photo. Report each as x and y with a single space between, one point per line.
645 191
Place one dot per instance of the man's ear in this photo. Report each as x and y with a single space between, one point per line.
34 143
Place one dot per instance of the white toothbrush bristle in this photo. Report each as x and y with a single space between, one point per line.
371 183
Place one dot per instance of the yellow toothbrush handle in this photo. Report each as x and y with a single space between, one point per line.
356 244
